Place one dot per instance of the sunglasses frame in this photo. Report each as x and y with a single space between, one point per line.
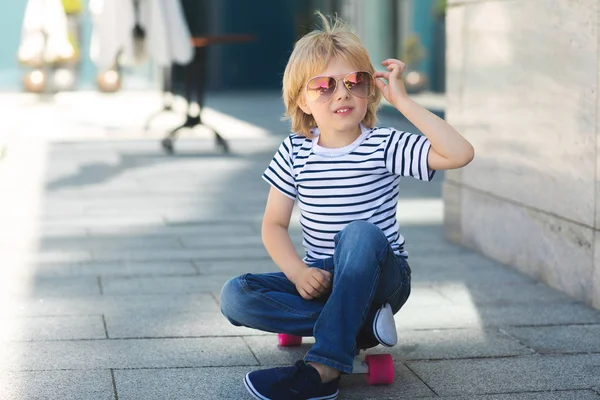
343 77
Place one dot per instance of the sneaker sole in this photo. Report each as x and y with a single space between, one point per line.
379 339
250 388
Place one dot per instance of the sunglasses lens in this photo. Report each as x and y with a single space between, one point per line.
320 88
359 84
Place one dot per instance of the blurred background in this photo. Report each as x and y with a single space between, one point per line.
408 29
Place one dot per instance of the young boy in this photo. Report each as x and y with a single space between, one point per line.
345 176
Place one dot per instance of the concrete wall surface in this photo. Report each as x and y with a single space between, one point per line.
522 86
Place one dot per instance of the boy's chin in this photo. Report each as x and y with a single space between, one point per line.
349 126
342 126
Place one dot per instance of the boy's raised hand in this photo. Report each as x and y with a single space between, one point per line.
394 90
313 282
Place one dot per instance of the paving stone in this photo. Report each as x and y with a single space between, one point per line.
235 268
427 241
560 339
161 198
500 294
506 375
475 315
87 222
453 343
468 268
173 323
208 216
168 284
31 258
151 209
208 240
438 248
108 243
49 232
200 211
183 229
468 276
423 295
52 328
50 385
182 254
466 260
182 384
134 353
139 304
52 287
268 352
406 385
116 268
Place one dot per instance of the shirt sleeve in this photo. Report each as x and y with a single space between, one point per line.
280 172
406 155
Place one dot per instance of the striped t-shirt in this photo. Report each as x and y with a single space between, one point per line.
334 187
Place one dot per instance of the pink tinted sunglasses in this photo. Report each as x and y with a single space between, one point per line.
320 88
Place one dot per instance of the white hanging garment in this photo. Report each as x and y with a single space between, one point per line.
180 38
168 36
45 34
152 20
112 34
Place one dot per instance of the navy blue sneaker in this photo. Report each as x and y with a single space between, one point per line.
299 382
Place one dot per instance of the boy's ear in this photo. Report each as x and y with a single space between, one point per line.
301 102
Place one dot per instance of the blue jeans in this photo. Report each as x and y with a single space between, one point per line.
366 274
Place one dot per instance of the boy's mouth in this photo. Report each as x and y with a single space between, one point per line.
343 110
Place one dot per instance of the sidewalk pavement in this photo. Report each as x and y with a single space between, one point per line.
113 255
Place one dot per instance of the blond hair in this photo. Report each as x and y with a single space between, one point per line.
311 55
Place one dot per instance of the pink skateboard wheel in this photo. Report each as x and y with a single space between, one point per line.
289 340
381 369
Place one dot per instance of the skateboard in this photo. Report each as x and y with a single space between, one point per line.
378 368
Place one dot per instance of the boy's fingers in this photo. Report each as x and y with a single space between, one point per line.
396 73
327 274
317 279
324 278
399 67
311 292
389 61
321 273
382 74
316 285
392 61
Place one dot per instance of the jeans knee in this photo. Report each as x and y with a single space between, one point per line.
362 235
231 299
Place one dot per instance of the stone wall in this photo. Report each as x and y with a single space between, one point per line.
522 85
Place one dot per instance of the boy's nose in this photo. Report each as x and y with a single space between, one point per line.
341 92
